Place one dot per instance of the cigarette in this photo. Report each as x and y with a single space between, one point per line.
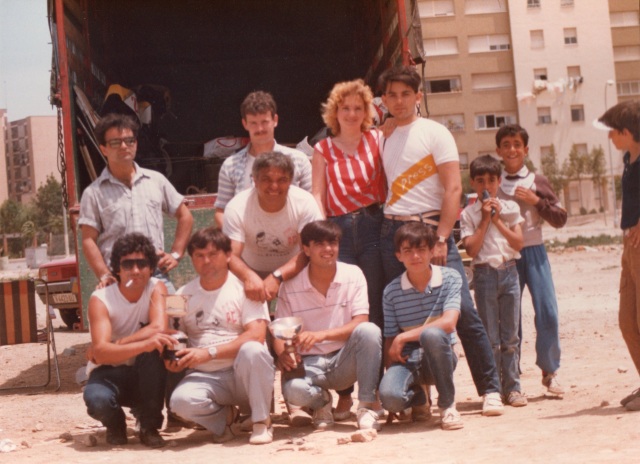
128 284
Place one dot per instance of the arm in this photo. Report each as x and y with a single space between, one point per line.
545 201
319 181
94 257
450 178
306 339
253 284
473 243
289 270
157 318
512 234
183 233
219 217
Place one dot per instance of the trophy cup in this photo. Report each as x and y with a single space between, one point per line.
287 329
176 307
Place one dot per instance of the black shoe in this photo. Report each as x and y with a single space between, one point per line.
117 435
151 438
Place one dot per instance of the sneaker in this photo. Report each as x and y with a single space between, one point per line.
323 417
551 382
367 419
262 434
516 399
492 405
117 435
633 405
151 438
627 399
451 419
421 413
298 417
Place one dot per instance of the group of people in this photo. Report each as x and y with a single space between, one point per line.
357 243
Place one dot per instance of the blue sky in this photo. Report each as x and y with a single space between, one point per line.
25 58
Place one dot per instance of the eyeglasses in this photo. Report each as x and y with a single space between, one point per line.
117 143
127 264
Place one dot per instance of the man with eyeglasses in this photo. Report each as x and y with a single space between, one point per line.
128 324
126 198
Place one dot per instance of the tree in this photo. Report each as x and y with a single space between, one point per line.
597 169
529 164
575 167
47 207
551 170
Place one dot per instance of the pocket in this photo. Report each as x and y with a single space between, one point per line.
154 214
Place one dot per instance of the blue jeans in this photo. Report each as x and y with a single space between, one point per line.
164 277
358 360
470 329
535 273
497 295
140 387
360 245
431 362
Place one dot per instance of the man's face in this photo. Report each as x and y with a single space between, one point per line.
401 101
513 151
261 127
134 267
415 259
272 185
489 182
209 261
322 254
123 152
622 140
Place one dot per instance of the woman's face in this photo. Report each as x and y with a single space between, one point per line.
351 113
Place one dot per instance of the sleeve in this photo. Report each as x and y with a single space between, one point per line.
360 299
549 207
391 328
513 215
225 185
309 211
89 211
172 199
467 227
253 311
283 307
444 146
453 291
303 166
232 225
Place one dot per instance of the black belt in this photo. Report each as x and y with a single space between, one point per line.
371 209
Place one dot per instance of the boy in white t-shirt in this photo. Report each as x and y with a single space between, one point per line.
492 236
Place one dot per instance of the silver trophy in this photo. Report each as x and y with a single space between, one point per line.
287 329
176 307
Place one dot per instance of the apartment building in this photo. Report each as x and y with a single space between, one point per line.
551 65
4 148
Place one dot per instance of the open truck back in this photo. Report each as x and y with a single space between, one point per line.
201 58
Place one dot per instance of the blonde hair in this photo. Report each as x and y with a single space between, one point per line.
337 97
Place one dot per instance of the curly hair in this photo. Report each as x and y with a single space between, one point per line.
337 97
132 243
258 102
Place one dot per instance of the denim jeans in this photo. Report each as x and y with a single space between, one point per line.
164 277
470 329
629 315
535 273
432 361
358 360
140 387
360 245
497 295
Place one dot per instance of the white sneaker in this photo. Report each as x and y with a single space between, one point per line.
367 419
553 386
262 434
492 405
451 419
323 417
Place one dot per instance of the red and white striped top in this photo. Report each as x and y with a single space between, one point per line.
353 180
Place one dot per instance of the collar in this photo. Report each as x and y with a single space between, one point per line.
340 277
106 175
436 280
276 147
521 174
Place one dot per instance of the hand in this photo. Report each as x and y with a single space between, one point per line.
166 262
497 207
105 281
395 350
158 341
388 127
285 361
254 287
271 287
306 340
190 358
440 251
527 195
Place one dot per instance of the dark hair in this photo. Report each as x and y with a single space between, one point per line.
485 164
119 121
511 130
405 74
624 115
258 102
209 235
132 243
415 234
272 159
320 231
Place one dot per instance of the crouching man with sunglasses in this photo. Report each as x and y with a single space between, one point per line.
127 324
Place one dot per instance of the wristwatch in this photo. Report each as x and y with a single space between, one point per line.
278 275
442 239
213 352
175 255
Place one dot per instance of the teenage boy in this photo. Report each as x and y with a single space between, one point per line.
538 203
421 309
337 345
422 167
227 361
623 121
492 236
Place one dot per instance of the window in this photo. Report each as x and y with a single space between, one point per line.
574 71
453 122
488 43
540 74
628 88
443 85
626 53
433 8
577 113
566 2
441 46
570 36
483 6
544 115
624 19
464 160
493 121
491 81
545 151
581 148
537 38
533 3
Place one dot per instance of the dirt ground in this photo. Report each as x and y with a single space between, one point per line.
587 425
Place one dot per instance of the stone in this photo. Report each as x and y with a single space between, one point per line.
363 436
89 440
65 437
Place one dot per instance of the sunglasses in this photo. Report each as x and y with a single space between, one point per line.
117 143
127 264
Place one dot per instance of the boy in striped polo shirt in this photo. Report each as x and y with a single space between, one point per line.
421 308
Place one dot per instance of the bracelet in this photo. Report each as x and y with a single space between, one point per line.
106 275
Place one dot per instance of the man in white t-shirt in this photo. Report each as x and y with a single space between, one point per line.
227 361
422 167
264 223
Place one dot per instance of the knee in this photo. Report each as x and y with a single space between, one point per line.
99 398
183 404
296 391
432 337
391 397
253 351
368 332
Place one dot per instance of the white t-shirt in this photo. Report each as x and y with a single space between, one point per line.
218 316
410 158
270 239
